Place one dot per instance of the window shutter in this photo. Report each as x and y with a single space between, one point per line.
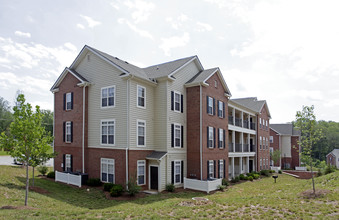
182 171
71 163
208 169
172 135
213 106
215 175
214 138
225 169
71 131
218 109
64 130
172 172
182 136
172 100
207 137
182 103
218 168
218 138
223 110
64 162
71 100
64 101
223 131
207 103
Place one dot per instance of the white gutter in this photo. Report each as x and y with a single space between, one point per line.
200 133
83 125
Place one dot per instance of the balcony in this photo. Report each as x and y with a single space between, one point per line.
245 147
245 124
238 147
238 122
252 148
252 126
230 147
230 120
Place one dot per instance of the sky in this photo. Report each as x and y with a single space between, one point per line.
285 52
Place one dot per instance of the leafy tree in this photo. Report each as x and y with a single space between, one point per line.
310 135
27 139
47 120
275 156
5 115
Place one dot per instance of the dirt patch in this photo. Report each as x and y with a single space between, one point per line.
318 193
38 190
16 207
125 196
198 201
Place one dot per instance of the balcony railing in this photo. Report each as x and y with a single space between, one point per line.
230 120
245 124
252 126
252 148
230 147
238 122
245 146
238 147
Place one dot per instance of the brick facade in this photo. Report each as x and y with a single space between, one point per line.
264 132
275 144
295 152
331 160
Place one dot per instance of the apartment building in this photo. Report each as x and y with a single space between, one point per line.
159 124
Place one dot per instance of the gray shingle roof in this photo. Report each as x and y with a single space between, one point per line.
202 76
285 129
335 152
156 155
250 103
80 76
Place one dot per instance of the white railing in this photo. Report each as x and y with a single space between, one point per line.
202 185
276 169
301 168
68 178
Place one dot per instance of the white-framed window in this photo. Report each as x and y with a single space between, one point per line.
108 97
177 101
271 150
220 109
141 99
210 137
266 143
266 163
263 143
177 135
68 101
215 83
221 169
177 171
107 170
260 122
266 124
210 105
271 139
68 166
108 132
260 164
260 142
141 172
141 128
68 132
210 169
221 138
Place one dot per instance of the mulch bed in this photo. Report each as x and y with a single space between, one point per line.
125 196
38 190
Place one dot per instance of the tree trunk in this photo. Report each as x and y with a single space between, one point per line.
33 176
27 183
312 178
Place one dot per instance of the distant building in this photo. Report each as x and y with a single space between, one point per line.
333 158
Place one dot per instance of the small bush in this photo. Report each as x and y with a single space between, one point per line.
133 187
237 179
280 172
241 176
250 178
264 172
320 172
233 180
224 182
249 174
272 171
245 177
329 169
108 186
43 170
256 176
170 187
94 182
51 175
222 187
116 190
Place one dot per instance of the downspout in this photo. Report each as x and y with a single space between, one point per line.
200 133
53 129
83 126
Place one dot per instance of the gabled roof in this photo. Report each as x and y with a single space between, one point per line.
156 155
63 74
252 103
335 152
285 129
204 75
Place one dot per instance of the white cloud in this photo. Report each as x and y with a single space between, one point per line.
142 9
178 22
115 6
22 34
142 33
90 21
174 42
202 27
80 26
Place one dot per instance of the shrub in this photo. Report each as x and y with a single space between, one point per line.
272 171
51 175
245 177
43 170
233 180
320 172
221 187
170 187
116 190
108 186
256 176
264 172
249 174
237 179
329 169
133 187
94 182
250 178
280 172
241 177
224 182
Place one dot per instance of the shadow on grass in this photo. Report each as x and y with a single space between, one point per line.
95 197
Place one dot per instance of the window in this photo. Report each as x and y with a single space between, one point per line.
260 164
221 138
210 169
260 142
68 133
177 135
210 137
177 171
221 109
141 133
266 125
107 170
271 139
271 150
221 168
108 132
260 122
215 83
263 123
108 96
263 143
267 163
266 143
69 103
68 165
141 172
210 105
141 96
177 101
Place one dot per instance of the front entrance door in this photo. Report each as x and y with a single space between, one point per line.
154 177
250 165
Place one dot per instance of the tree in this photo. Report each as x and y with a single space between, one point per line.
27 139
47 120
275 156
5 115
309 135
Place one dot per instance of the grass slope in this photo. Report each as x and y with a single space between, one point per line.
257 199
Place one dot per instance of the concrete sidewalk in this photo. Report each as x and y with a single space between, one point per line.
8 160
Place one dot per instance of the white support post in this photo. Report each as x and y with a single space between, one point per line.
240 164
248 164
232 167
248 142
242 141
233 140
242 119
233 114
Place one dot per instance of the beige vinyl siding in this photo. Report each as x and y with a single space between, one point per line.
137 113
162 172
181 78
102 74
286 146
171 157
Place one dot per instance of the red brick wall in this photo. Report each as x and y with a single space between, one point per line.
264 132
275 143
301 174
133 157
295 152
329 161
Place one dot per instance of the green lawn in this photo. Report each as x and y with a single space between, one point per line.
260 199
3 153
